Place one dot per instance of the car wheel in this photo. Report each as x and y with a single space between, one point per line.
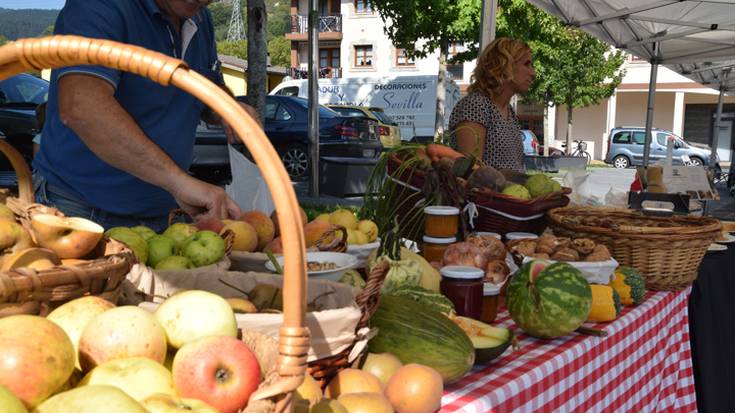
621 162
295 158
696 161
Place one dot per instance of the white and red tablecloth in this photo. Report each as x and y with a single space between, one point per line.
643 365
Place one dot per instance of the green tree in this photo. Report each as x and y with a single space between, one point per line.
238 48
279 18
3 40
48 31
279 49
428 25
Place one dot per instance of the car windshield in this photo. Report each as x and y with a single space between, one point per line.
323 110
349 112
382 116
23 89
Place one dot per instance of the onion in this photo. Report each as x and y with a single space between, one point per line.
466 254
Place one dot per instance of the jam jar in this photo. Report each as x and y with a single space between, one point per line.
433 248
441 221
464 287
490 301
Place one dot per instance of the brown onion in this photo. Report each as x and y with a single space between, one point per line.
466 254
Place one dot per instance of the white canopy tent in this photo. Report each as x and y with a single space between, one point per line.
694 38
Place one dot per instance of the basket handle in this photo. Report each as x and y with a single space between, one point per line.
60 51
25 186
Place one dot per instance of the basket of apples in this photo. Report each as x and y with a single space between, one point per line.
47 258
39 357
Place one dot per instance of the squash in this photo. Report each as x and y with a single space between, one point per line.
605 303
630 285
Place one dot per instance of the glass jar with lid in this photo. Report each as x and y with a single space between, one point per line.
433 248
441 221
464 287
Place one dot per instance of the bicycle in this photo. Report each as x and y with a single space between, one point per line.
580 150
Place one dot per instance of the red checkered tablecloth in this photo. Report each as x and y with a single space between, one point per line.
643 365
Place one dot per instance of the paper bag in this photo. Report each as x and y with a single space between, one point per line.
248 188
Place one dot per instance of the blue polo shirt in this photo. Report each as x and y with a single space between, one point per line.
167 115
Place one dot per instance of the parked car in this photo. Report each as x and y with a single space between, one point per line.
390 132
19 97
625 148
286 127
530 142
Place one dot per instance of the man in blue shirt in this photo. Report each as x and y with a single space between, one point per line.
116 146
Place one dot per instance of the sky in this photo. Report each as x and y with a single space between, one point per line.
31 4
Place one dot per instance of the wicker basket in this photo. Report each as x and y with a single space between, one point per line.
503 214
60 51
666 250
27 291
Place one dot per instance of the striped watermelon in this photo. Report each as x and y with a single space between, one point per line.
549 300
416 333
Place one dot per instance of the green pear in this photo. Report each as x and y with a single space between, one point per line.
174 262
132 239
203 248
179 232
144 231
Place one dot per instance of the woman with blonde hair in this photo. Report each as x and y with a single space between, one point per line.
484 124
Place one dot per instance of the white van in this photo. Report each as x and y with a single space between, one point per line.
409 100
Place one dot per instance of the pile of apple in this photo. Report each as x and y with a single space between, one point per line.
358 231
51 241
381 385
90 356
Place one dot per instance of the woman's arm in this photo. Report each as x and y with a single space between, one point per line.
470 138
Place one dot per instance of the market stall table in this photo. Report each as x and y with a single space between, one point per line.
643 365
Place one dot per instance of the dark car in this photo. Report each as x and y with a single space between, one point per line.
285 125
19 97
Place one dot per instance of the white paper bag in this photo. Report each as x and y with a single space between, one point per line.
248 187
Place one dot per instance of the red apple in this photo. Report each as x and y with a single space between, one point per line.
36 357
219 370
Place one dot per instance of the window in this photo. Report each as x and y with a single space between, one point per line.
363 6
288 91
622 137
402 59
456 70
363 56
270 110
639 137
282 114
328 58
349 112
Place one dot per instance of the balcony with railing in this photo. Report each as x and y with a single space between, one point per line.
330 27
324 73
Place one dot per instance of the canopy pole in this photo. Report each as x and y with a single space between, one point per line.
313 120
487 25
649 110
718 118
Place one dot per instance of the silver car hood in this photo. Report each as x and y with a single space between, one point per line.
699 145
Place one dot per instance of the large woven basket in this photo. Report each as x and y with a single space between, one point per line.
666 250
27 291
60 51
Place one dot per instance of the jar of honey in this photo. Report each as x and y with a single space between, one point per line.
433 248
441 221
464 288
490 300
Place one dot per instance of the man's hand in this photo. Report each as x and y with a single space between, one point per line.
201 200
232 137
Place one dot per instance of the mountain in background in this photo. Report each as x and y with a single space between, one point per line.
16 24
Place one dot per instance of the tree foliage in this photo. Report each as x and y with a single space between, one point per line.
237 49
15 24
3 40
279 49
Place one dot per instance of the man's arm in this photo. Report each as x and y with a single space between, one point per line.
88 106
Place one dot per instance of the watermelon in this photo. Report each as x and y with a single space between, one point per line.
417 334
549 300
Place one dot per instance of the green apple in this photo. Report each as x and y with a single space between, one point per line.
88 399
9 402
144 231
174 262
179 232
194 314
160 247
132 239
138 377
203 248
164 403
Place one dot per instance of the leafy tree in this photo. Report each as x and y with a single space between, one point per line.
279 49
238 48
48 31
435 24
279 18
3 40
